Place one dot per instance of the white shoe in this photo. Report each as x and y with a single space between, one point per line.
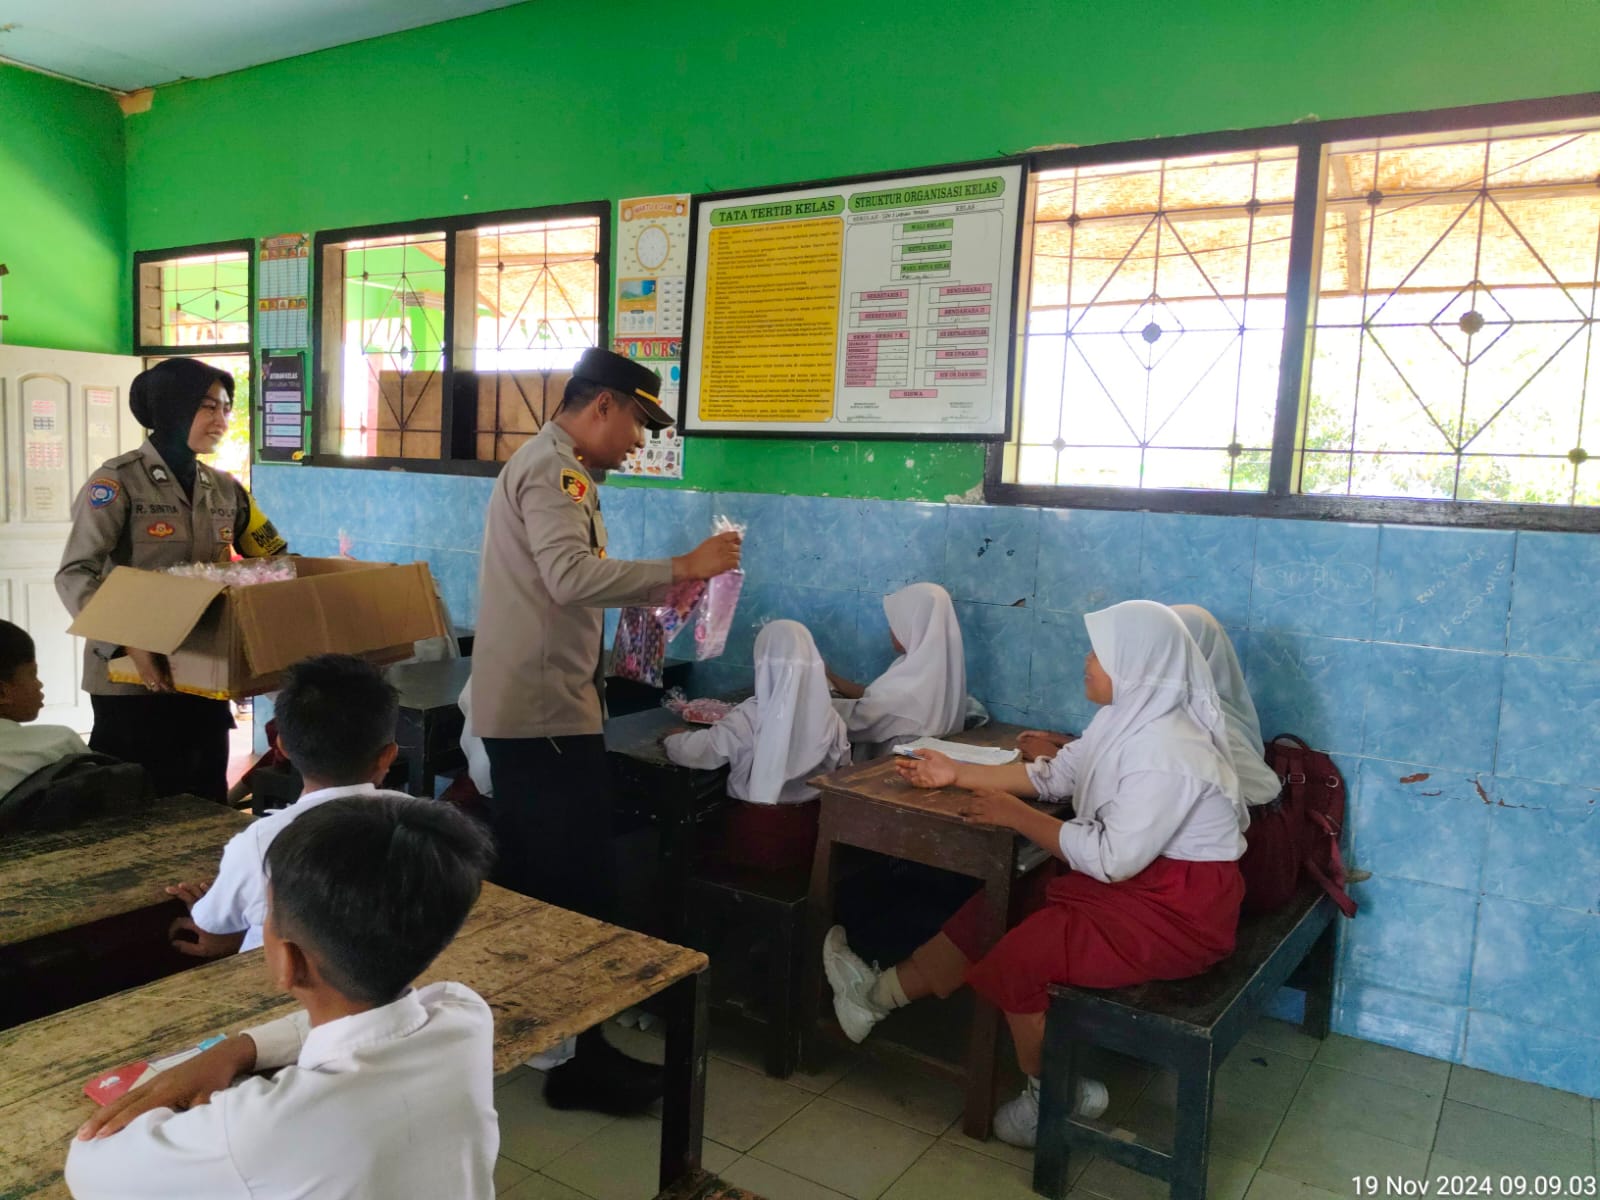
851 981
1016 1122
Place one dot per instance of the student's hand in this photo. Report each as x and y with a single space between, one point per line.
994 808
929 769
188 938
710 558
190 893
154 671
1036 744
183 1087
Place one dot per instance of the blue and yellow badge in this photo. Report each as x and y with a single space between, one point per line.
574 485
102 491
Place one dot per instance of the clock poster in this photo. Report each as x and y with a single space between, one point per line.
651 270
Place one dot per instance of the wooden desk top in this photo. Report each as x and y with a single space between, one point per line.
428 685
547 973
55 881
879 783
638 735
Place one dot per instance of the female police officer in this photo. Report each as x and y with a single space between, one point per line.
156 507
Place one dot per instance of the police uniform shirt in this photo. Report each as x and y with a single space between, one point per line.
133 512
237 901
543 588
396 1102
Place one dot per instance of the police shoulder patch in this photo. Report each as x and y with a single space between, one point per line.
574 485
103 490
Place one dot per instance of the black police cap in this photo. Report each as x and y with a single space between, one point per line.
623 375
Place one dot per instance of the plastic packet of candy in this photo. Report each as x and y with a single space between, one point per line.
239 574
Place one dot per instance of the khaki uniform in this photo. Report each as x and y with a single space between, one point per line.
543 588
134 513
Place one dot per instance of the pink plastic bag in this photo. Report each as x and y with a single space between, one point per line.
720 603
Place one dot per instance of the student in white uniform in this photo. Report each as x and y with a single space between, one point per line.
26 748
772 743
336 719
1258 783
1153 889
924 691
380 1090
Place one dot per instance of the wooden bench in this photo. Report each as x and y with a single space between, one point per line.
1187 1025
752 925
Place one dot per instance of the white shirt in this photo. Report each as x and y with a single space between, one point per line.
1150 814
924 691
25 749
780 737
238 898
392 1104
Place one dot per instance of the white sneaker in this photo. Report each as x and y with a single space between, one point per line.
851 981
1016 1122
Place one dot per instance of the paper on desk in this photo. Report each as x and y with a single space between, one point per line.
978 756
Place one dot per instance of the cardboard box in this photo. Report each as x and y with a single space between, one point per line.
227 643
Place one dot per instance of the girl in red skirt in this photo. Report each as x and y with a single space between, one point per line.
1152 888
772 743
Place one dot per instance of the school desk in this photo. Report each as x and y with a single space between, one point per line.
547 973
428 726
84 911
675 800
869 806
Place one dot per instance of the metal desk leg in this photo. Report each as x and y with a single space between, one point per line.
985 1037
683 1111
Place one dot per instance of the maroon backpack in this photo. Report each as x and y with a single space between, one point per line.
1298 833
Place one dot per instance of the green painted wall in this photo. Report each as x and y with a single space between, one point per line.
568 100
63 215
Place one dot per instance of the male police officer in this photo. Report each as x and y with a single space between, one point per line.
536 673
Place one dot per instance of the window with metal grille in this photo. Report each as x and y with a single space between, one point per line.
1155 321
193 300
1454 347
451 341
1378 318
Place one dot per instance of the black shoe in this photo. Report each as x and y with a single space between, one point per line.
602 1079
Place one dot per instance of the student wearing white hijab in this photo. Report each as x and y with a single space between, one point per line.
772 743
924 691
1258 783
1153 887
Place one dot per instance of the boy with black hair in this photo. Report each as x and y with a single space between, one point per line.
384 1091
336 717
26 748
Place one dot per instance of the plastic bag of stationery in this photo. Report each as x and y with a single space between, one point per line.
720 602
639 652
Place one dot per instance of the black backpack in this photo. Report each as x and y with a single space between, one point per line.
72 790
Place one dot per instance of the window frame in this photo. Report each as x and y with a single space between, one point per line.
1312 141
142 258
459 396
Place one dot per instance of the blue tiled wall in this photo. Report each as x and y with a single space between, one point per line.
1454 675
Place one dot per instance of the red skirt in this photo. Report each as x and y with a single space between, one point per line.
1170 921
769 837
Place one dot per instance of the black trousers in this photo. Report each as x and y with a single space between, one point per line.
552 818
181 741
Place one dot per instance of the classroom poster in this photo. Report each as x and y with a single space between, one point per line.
283 412
283 292
856 309
651 278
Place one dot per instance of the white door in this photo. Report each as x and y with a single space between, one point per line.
62 414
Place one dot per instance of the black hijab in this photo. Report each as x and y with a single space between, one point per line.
164 400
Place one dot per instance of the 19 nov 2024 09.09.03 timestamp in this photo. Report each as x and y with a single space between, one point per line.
1486 1184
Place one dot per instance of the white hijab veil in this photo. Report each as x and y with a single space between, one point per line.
1164 710
788 731
1258 782
924 691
